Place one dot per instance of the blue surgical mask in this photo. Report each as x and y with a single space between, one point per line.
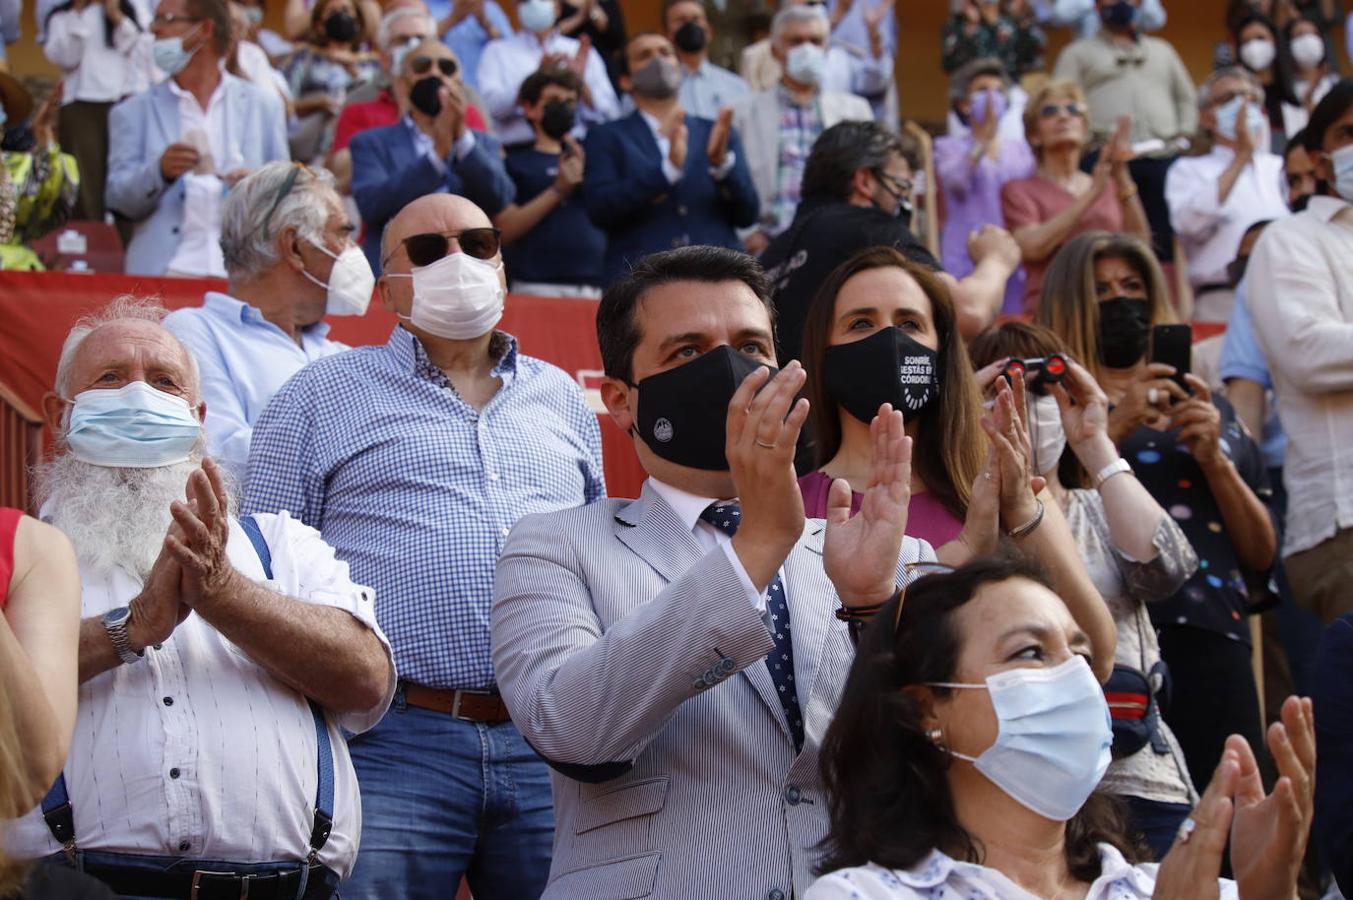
1053 745
1228 113
133 427
1342 161
169 55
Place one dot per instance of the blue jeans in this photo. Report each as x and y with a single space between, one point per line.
1157 822
444 798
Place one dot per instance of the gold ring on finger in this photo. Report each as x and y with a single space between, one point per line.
763 444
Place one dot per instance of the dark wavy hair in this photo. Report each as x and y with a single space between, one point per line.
887 792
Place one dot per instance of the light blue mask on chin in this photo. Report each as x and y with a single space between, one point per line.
133 427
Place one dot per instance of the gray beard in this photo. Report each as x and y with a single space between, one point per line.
115 518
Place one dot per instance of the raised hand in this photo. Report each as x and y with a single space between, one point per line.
1145 399
579 61
982 525
762 436
717 149
571 166
1269 834
449 125
1009 435
1191 868
860 552
1084 407
678 135
199 544
1199 424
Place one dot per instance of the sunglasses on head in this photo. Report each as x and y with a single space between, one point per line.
426 249
1052 110
421 65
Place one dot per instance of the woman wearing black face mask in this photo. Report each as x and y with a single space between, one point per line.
1102 295
882 329
322 72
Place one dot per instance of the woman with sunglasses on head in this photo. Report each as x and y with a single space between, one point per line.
1135 554
321 73
1059 201
964 755
882 330
1102 296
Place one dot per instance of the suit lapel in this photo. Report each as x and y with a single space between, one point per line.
650 528
804 579
164 107
643 135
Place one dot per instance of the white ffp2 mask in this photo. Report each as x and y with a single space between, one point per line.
350 281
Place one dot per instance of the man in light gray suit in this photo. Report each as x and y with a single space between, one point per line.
175 150
678 676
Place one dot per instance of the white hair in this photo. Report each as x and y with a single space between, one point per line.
255 212
389 19
797 15
124 308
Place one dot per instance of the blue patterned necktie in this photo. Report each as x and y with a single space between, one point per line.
726 517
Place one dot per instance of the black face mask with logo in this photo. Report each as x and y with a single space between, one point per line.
683 412
889 366
1124 331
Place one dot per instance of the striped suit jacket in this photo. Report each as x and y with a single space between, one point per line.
631 660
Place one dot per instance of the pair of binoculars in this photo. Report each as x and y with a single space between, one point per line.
1038 372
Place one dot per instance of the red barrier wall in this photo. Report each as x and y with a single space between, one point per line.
37 309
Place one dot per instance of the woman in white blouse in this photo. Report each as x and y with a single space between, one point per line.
964 755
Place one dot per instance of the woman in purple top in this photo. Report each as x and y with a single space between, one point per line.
973 167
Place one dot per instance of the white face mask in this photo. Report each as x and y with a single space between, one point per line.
536 15
350 281
1258 53
458 297
1342 162
1046 433
1053 744
1308 50
806 63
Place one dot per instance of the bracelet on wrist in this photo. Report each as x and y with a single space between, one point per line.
856 616
1029 526
1126 194
1117 467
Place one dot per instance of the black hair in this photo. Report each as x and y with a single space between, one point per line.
124 6
888 796
537 81
1295 142
842 150
618 330
622 53
1329 110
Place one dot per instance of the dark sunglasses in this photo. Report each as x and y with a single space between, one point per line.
421 65
426 249
1052 110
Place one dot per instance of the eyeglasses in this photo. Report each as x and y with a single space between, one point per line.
171 18
284 190
426 249
1053 110
901 187
421 65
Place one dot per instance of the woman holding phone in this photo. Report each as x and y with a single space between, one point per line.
1102 295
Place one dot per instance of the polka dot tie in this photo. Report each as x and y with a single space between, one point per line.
726 517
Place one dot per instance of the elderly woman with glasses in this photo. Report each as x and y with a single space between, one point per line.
1059 201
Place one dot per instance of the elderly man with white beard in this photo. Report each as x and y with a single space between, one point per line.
219 656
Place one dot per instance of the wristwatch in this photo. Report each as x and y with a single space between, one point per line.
115 622
1114 468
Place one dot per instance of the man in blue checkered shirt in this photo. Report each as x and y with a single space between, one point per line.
414 459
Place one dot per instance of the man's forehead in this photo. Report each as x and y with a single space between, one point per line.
130 340
439 213
646 43
715 308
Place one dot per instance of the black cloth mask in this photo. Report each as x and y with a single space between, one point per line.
558 118
341 26
690 38
425 96
889 366
683 412
1124 330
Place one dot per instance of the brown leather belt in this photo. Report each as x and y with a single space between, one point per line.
473 706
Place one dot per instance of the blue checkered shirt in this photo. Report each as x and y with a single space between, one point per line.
416 490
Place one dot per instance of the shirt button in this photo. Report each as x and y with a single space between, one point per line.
184 846
793 795
168 701
504 531
493 476
174 773
775 894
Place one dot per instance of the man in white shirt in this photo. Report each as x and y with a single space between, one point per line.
507 61
1214 198
1299 286
175 149
220 658
705 87
291 259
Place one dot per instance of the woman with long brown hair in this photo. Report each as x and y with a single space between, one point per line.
882 329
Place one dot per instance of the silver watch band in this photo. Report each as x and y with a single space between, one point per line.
117 633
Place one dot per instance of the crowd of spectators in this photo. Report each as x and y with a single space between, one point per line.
957 549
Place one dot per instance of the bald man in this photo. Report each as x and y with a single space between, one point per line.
220 659
415 459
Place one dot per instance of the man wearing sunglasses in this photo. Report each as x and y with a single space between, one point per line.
415 459
430 151
677 658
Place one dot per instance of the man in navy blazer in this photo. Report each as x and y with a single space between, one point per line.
658 178
429 151
1333 696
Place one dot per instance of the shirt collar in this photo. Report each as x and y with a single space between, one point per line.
1326 209
179 92
231 309
410 355
652 122
686 505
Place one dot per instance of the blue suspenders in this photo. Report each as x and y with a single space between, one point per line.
60 817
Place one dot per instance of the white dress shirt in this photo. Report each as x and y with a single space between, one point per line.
92 71
507 61
1300 288
688 508
199 249
1210 231
196 750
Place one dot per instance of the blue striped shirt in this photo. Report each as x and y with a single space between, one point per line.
417 490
